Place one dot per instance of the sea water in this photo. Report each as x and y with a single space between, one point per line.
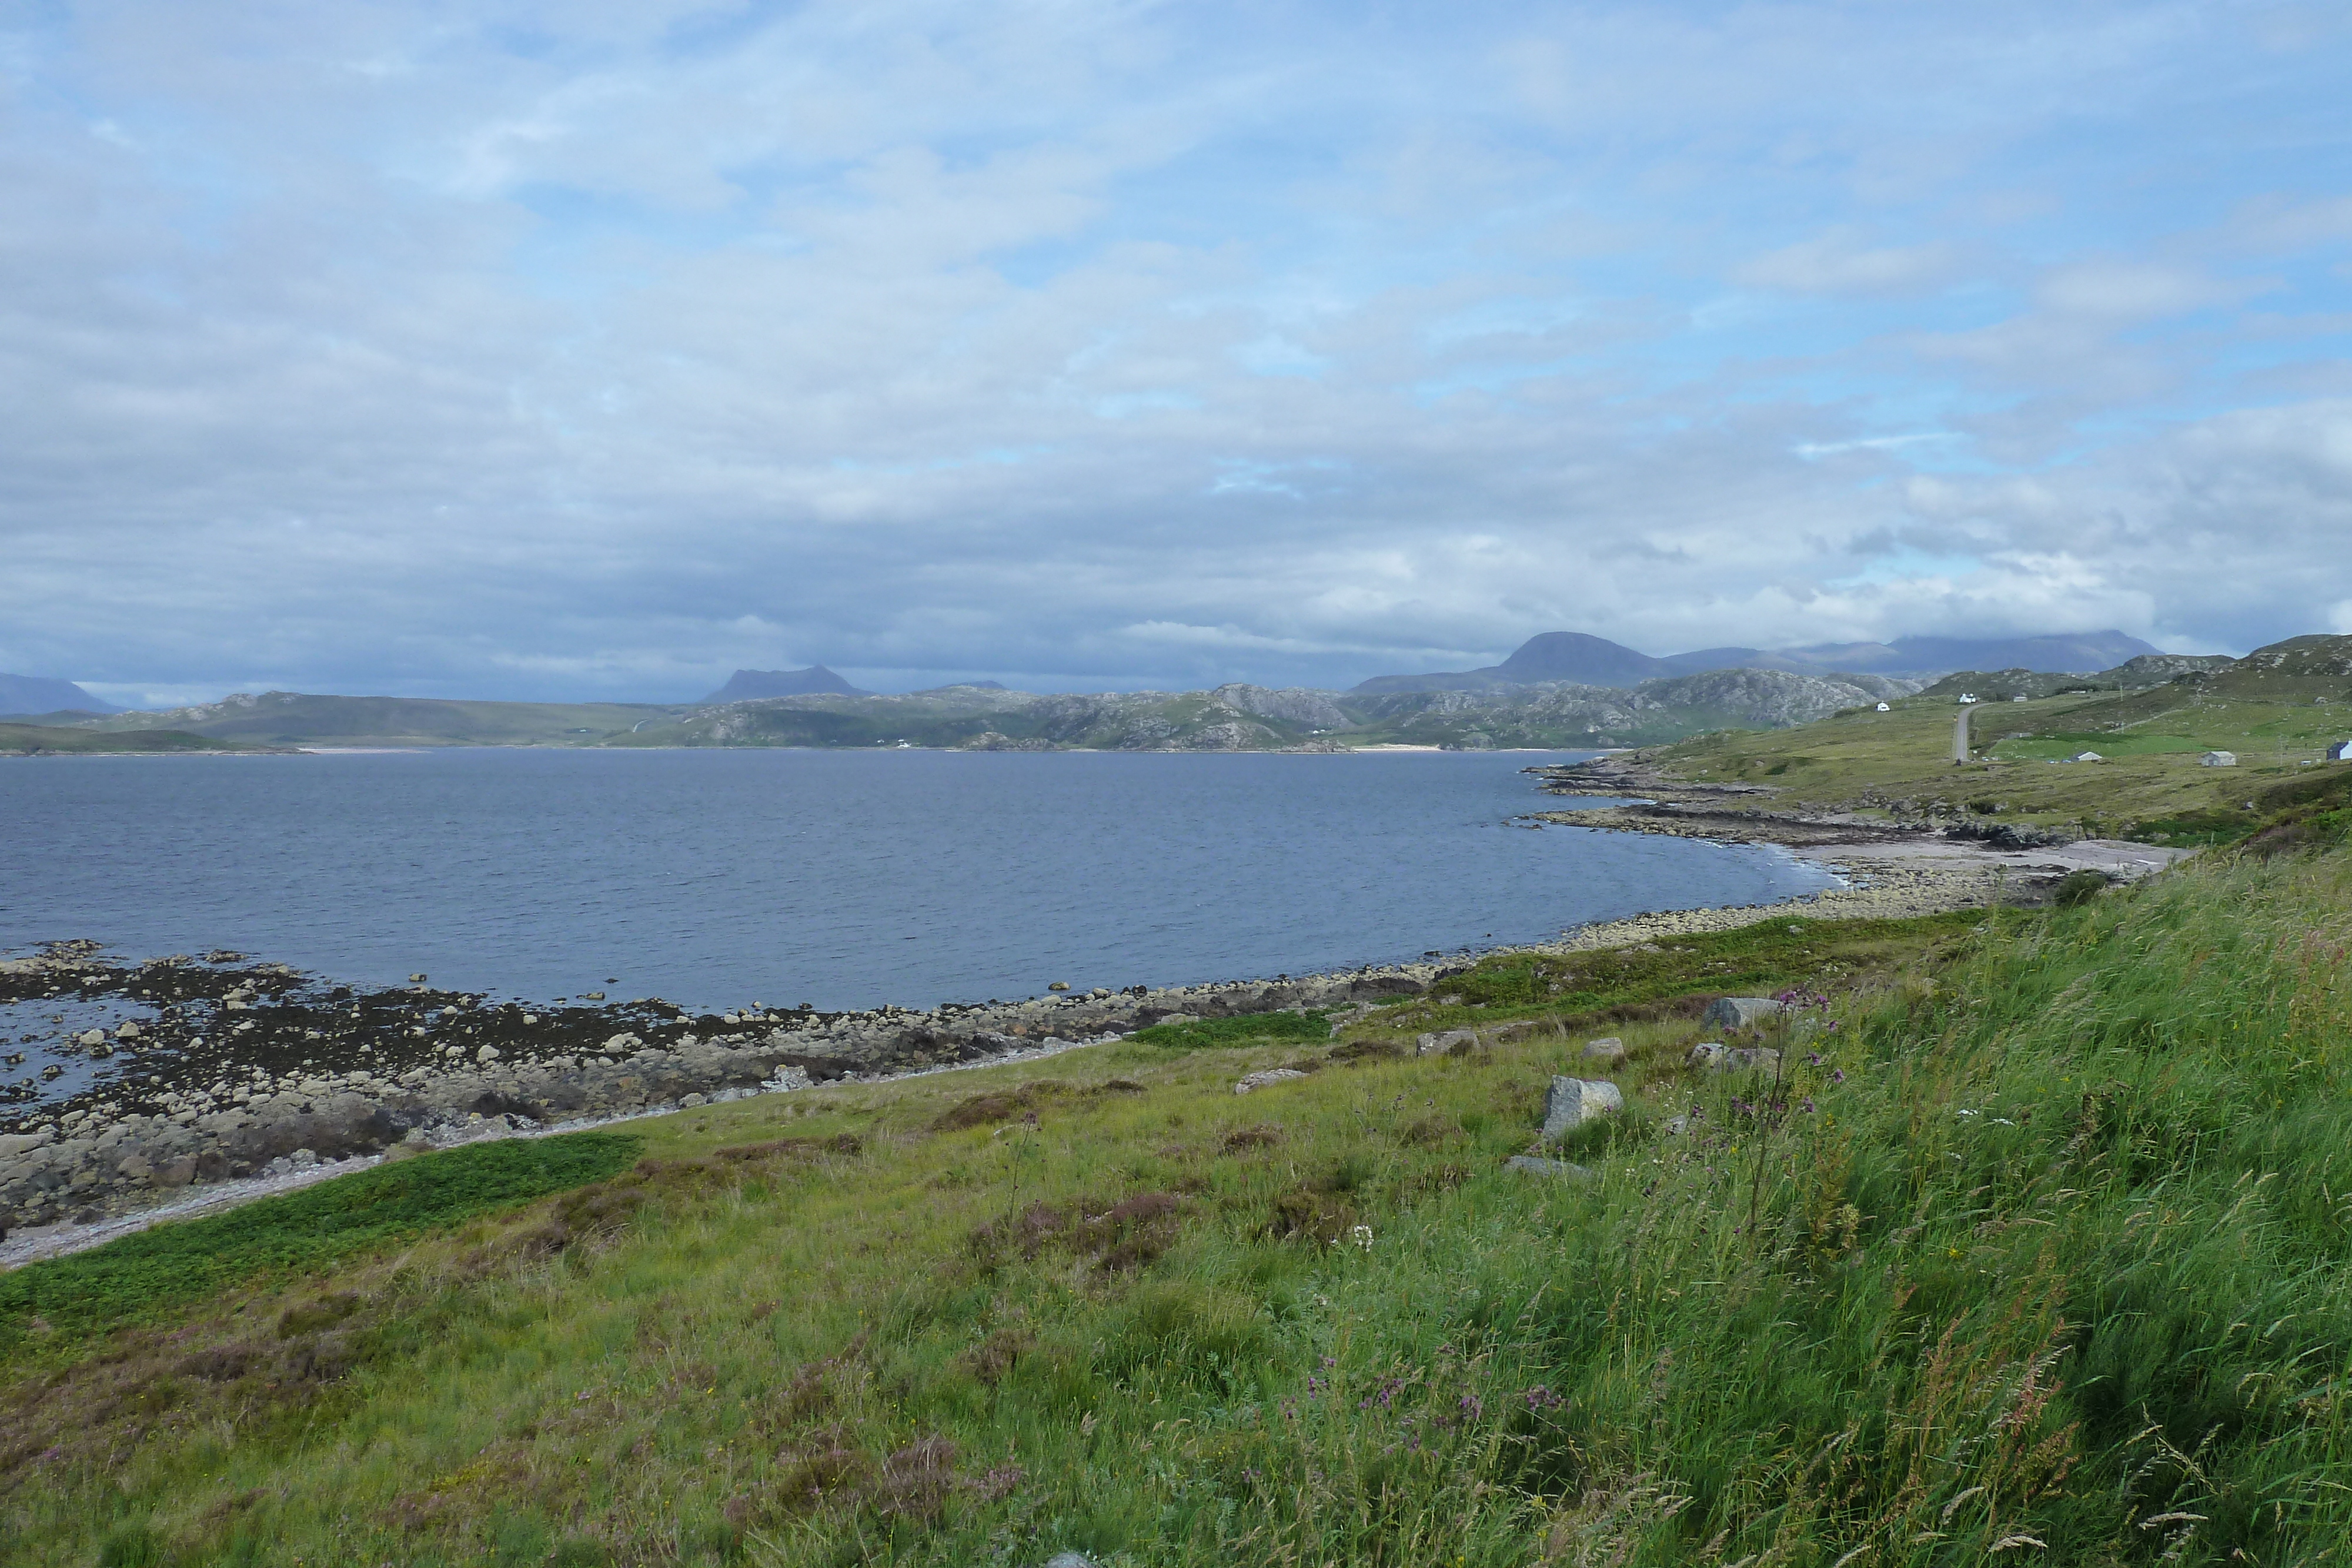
845 879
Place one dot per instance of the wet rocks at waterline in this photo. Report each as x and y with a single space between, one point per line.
231 1068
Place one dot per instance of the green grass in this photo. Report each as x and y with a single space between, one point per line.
1200 1034
2041 1254
1763 958
2058 747
135 1277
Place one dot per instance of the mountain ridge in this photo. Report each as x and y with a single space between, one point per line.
751 685
1588 660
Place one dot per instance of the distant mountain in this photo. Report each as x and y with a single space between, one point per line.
30 694
815 681
1924 655
1597 662
1552 656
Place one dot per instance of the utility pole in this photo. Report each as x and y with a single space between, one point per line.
1960 735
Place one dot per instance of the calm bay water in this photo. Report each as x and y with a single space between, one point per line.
844 879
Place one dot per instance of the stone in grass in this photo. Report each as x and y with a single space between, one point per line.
1608 1049
1270 1075
1536 1165
1069 1560
1445 1040
1573 1102
1716 1057
1739 1013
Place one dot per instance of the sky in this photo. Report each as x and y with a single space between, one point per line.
594 350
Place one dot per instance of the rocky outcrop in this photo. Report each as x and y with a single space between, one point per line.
1291 705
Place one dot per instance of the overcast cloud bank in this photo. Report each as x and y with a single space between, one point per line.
597 350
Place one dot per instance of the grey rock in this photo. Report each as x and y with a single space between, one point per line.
1608 1049
1270 1075
1068 1559
1536 1165
1739 1013
1444 1042
1572 1101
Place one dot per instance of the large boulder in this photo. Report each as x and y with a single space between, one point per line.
1572 1101
1739 1013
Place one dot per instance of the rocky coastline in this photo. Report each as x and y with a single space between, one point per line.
225 1069
218 1069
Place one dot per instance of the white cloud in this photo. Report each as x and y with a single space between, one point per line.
1838 263
2128 291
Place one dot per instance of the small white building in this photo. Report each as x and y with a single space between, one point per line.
1883 707
2086 756
2339 751
2220 759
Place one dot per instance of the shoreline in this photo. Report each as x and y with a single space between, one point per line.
233 1108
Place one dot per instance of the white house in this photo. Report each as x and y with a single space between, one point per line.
2087 757
2220 759
1884 708
2339 751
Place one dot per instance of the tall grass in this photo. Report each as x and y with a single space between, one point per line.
2039 1256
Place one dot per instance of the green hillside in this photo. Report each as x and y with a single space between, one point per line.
2037 1251
2276 711
295 718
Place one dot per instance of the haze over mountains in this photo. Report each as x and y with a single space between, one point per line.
1596 662
1486 713
1559 689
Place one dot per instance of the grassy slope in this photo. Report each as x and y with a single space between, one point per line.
2045 1255
29 740
2151 741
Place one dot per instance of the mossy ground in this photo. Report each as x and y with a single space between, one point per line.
2043 1253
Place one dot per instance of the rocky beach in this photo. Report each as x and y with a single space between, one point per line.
218 1068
